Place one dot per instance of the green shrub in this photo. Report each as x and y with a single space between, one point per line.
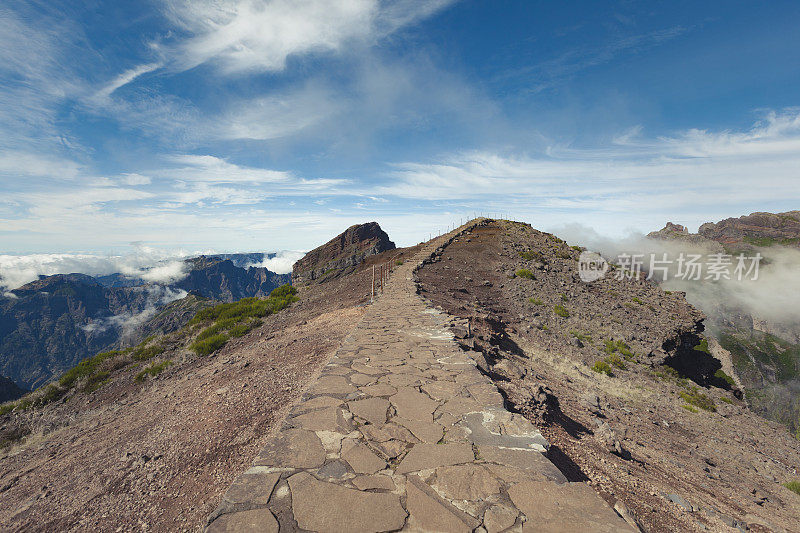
564 298
209 345
532 255
601 367
691 408
399 262
612 346
7 408
793 486
726 399
535 301
721 375
243 329
86 368
702 347
561 311
245 308
145 353
638 300
95 381
583 337
153 370
698 399
525 273
615 360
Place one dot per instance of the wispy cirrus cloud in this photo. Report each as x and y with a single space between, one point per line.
633 174
252 35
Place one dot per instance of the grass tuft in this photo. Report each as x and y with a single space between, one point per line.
601 367
698 399
561 311
793 486
525 273
153 370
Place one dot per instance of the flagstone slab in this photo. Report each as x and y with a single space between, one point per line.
323 419
413 405
550 507
425 455
373 410
428 512
499 518
424 431
361 379
467 482
293 448
318 402
253 488
380 389
522 460
252 521
374 482
346 509
360 458
332 385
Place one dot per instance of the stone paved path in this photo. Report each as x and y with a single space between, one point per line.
402 432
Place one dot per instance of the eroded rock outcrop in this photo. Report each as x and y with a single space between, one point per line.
342 253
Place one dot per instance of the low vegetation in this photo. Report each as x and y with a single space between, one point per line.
601 367
532 255
238 318
535 301
153 370
793 486
229 321
561 311
585 338
613 347
525 273
693 396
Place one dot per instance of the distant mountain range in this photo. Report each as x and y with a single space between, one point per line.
50 324
754 324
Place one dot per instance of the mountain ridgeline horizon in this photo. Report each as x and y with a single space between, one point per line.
50 324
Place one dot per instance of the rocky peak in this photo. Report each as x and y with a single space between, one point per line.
760 229
342 253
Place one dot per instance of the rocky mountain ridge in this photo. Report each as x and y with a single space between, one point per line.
764 350
343 253
50 324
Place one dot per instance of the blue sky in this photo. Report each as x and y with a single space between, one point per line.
264 125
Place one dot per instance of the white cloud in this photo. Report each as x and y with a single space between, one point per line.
18 163
282 262
254 35
683 171
125 78
157 297
148 263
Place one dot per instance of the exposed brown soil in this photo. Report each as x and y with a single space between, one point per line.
630 435
158 456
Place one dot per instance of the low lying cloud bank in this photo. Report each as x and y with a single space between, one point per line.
772 296
281 262
157 297
146 263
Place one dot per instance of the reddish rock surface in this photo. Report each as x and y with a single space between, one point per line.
342 254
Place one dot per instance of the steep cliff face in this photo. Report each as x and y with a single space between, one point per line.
764 348
51 324
9 390
759 229
220 279
341 254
